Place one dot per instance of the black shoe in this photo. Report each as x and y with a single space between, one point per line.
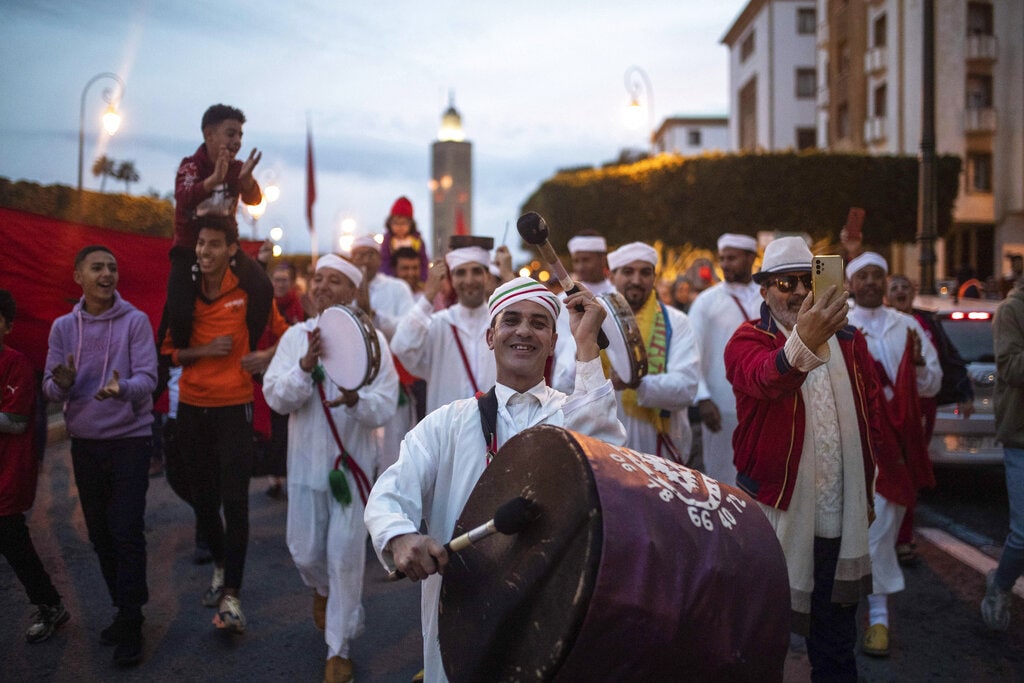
45 621
129 650
124 621
202 554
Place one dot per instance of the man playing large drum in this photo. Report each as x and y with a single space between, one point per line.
325 530
653 407
442 457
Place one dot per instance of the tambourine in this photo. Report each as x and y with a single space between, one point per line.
349 348
626 351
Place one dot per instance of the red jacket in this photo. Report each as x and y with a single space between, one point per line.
769 439
189 194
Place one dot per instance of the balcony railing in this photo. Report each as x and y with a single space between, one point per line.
874 129
875 60
981 47
980 120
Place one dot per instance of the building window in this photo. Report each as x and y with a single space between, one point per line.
879 31
806 138
747 47
979 91
806 83
880 100
693 137
979 19
806 23
748 115
979 172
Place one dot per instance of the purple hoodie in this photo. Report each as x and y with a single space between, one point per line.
119 339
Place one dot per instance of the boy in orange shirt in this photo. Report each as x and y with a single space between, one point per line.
215 412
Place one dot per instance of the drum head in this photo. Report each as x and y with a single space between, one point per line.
343 348
619 354
508 601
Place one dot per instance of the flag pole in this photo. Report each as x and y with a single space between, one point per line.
310 188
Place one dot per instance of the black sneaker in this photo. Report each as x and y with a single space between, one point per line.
45 621
129 650
119 628
202 554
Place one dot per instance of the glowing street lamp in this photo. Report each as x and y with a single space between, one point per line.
638 83
111 119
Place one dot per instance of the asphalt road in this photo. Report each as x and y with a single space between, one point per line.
936 628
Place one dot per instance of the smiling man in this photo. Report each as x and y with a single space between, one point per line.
448 348
101 365
215 397
326 536
443 457
654 408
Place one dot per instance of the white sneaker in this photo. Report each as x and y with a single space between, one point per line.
229 615
995 608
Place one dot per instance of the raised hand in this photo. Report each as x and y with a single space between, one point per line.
312 356
245 176
818 320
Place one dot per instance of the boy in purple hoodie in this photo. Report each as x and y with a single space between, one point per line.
101 365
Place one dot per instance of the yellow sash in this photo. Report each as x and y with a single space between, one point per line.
651 321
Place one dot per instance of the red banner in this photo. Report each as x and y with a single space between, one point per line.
37 264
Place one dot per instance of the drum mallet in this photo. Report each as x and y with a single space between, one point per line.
509 519
534 230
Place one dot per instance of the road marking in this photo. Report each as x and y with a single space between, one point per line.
965 553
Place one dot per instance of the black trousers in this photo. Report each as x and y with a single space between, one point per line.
16 545
112 476
833 633
216 446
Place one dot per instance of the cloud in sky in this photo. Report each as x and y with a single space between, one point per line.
539 86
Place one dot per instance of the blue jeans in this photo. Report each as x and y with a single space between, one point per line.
112 476
1011 564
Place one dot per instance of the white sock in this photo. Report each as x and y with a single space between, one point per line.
218 577
878 609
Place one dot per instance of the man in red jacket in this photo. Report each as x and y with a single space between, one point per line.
806 399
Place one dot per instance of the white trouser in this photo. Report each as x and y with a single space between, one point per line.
328 544
886 574
717 450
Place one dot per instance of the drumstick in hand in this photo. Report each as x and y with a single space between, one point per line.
534 230
509 519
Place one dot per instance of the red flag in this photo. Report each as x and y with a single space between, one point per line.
310 180
460 222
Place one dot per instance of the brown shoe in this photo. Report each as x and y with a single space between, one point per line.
319 610
338 670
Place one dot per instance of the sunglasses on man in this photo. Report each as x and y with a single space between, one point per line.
787 283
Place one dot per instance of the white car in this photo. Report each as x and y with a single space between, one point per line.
971 441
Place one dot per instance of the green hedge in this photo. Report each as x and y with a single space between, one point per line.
693 200
142 215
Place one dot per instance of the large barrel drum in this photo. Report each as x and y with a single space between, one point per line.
636 569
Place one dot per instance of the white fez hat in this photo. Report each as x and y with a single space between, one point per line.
464 255
594 243
364 242
784 255
634 251
868 258
523 289
736 241
346 268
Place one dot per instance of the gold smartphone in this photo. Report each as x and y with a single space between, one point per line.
827 271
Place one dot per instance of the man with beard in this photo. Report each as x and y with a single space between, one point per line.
445 454
807 402
907 367
326 535
448 348
715 315
653 409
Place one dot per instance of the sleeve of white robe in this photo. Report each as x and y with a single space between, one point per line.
387 314
591 409
929 375
285 386
411 342
698 318
676 388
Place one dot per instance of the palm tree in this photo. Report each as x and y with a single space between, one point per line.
126 172
103 167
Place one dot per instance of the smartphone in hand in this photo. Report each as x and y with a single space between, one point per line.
854 223
825 272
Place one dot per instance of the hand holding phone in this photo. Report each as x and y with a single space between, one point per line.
825 272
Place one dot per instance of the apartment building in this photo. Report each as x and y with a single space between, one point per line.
691 135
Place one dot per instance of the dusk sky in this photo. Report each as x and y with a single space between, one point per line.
539 86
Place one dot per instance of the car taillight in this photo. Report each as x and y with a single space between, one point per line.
970 315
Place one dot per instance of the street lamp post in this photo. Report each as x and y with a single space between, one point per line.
637 82
111 119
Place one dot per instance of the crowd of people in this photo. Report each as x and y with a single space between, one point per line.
819 407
